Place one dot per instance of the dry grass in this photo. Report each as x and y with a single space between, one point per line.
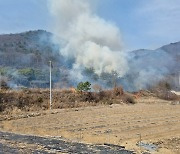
129 99
38 99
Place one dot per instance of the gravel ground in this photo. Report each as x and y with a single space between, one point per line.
16 143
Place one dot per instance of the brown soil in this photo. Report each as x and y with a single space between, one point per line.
156 120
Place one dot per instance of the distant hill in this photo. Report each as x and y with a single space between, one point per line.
174 50
151 66
159 55
28 49
24 61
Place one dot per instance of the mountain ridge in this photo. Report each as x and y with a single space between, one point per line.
34 49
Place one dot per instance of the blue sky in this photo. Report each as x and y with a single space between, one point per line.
22 15
143 23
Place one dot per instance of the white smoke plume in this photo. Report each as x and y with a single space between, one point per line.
87 38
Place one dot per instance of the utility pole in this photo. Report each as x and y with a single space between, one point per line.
179 79
114 80
0 81
50 85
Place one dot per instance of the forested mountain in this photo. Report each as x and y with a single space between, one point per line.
151 66
24 61
28 49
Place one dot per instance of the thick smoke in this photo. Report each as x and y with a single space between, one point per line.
92 42
88 39
147 68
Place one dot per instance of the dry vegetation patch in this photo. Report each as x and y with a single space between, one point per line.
38 99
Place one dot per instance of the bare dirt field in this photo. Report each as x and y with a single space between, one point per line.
157 121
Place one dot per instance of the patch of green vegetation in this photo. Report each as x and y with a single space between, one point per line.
27 72
41 74
84 86
4 71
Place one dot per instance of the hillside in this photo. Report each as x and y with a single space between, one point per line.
28 49
174 50
152 66
24 61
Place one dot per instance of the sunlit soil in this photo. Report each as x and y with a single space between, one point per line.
155 120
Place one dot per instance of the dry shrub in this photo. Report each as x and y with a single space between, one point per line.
97 88
129 99
101 94
167 95
66 91
4 84
25 101
2 108
162 90
164 85
118 91
88 97
38 99
108 94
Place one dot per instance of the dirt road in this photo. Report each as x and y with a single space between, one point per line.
115 124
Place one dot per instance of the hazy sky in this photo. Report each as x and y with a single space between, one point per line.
143 23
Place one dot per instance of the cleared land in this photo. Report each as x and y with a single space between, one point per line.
156 120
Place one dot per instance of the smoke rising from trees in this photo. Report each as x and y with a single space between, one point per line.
88 39
93 42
